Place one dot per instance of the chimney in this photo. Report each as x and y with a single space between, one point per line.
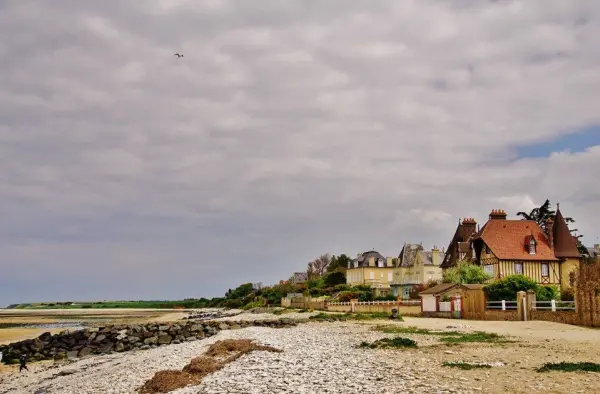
549 233
470 224
436 257
498 214
388 262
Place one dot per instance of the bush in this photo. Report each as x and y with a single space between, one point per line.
466 272
389 297
365 296
567 295
546 293
507 287
335 278
343 287
346 296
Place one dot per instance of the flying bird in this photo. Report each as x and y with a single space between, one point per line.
178 55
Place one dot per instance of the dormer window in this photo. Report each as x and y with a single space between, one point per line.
380 263
355 264
532 246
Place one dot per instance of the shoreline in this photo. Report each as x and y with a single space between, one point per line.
319 356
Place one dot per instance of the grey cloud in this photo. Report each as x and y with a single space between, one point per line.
289 129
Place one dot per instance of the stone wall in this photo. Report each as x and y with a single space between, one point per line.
567 317
121 338
404 310
499 315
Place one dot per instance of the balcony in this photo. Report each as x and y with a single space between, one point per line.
376 283
407 282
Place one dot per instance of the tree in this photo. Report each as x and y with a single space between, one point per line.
241 291
318 267
539 215
544 212
335 278
465 272
339 263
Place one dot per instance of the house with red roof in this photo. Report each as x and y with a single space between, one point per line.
547 254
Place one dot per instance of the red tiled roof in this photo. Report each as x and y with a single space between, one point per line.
507 240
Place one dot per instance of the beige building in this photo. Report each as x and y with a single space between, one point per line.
415 266
371 269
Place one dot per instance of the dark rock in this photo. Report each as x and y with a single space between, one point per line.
85 351
106 348
119 347
164 339
151 341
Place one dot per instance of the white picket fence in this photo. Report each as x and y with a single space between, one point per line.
554 305
502 305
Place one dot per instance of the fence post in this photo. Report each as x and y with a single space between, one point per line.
522 305
503 305
553 304
531 300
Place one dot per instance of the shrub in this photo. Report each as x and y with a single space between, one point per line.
346 296
466 272
567 295
507 287
342 287
397 342
546 293
365 296
570 367
389 297
334 278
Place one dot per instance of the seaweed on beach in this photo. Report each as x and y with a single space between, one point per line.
216 357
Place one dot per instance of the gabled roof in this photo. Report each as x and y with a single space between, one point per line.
506 239
463 233
565 244
408 255
437 289
426 257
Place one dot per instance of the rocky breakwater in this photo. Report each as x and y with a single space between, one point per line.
122 338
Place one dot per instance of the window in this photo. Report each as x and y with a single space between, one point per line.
356 264
532 246
488 269
430 275
381 276
380 263
545 270
519 268
371 275
473 253
406 292
389 276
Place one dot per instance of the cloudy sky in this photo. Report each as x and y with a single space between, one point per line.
289 129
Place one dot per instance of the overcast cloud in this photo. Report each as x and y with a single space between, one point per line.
289 129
